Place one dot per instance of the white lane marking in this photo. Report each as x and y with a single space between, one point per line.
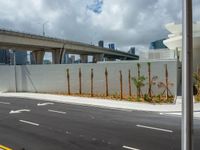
153 128
67 132
29 122
6 103
55 111
178 114
19 111
92 117
131 148
44 104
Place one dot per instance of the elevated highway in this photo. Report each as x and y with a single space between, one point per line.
39 44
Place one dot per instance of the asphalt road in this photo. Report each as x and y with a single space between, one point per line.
27 124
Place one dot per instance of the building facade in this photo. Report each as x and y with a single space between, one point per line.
7 57
158 44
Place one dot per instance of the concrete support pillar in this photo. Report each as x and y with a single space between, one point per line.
84 58
55 56
98 57
38 56
58 56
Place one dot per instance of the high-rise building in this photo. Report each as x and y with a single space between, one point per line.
66 58
157 45
4 57
101 44
132 50
111 46
21 57
73 59
7 57
32 60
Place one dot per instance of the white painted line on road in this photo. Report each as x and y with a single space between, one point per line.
92 117
19 111
44 104
6 103
29 122
153 128
55 111
130 148
178 114
67 132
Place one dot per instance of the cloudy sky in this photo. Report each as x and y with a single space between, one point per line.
123 22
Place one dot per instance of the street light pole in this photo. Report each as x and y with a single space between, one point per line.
44 26
187 66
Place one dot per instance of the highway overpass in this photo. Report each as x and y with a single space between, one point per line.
41 44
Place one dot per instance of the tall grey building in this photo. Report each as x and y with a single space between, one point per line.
66 58
7 57
4 57
132 50
101 44
21 57
111 46
157 45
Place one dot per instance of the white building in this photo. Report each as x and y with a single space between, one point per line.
174 41
159 54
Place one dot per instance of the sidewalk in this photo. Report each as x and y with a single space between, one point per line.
113 104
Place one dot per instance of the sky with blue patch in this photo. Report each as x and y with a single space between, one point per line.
96 6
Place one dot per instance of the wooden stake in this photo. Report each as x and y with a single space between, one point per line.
80 83
92 77
167 82
139 90
106 76
121 85
149 77
68 81
129 82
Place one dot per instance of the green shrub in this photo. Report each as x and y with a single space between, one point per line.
147 98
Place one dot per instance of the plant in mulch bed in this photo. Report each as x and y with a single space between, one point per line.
196 76
151 82
166 87
114 96
139 82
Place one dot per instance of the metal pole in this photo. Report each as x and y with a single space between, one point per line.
43 29
187 66
44 26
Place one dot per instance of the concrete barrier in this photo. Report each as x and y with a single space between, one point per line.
53 78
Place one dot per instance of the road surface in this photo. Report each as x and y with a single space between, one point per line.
27 124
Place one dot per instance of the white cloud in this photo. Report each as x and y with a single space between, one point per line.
124 22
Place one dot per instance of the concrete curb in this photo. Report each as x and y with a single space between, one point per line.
102 103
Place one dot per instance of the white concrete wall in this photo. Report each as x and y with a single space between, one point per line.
53 78
7 78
